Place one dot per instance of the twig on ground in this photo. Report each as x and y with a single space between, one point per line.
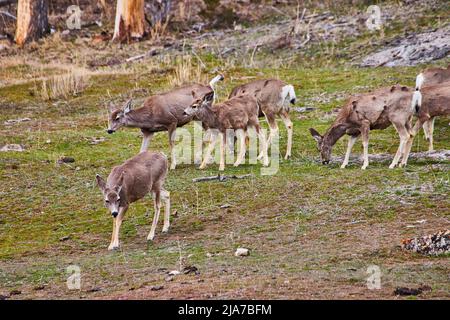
220 178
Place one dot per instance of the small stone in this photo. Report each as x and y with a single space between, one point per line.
174 273
66 160
15 292
190 269
156 288
12 147
242 252
169 279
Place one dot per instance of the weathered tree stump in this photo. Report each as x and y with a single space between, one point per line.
32 20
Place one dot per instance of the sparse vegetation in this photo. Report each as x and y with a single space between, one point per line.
312 230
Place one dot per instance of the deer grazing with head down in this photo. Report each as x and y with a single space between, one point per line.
274 97
161 112
135 178
434 101
239 114
431 77
376 110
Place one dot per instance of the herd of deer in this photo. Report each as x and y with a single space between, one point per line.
146 172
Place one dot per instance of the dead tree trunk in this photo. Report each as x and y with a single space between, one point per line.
129 21
32 20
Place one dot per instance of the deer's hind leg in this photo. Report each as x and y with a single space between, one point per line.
165 196
289 127
241 134
157 202
365 128
404 137
273 127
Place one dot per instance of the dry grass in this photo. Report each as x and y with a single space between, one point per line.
69 84
159 30
186 72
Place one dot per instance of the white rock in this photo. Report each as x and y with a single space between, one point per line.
242 252
12 147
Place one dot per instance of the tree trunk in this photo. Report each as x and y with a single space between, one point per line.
32 21
129 20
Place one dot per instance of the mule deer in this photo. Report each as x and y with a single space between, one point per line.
273 97
131 181
239 113
434 101
430 77
161 112
371 111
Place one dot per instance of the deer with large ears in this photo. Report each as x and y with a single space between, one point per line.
375 110
427 78
161 112
274 97
239 113
138 176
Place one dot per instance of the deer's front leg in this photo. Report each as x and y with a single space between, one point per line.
116 230
113 235
351 142
365 140
172 135
146 140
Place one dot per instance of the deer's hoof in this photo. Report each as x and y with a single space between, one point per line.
113 247
165 229
343 166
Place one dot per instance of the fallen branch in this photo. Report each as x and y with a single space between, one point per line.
9 15
220 178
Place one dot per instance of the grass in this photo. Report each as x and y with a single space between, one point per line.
312 230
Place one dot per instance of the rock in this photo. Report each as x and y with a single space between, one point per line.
169 279
191 269
156 288
433 244
404 291
38 288
13 121
416 49
12 147
174 273
242 252
65 160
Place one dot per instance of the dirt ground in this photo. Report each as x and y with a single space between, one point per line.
313 231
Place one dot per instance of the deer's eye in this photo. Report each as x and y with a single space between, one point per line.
106 201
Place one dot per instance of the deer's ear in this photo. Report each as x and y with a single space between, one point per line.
316 135
100 182
193 94
209 97
127 107
120 182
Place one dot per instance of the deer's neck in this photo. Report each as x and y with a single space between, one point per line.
334 134
208 116
135 119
